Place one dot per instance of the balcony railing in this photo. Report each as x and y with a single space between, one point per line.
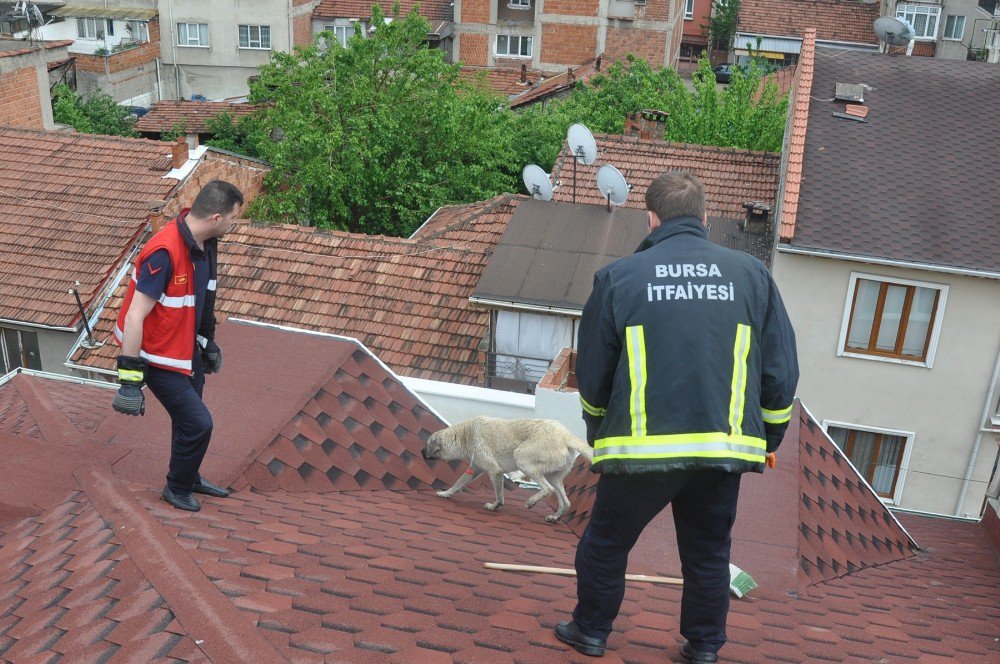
514 373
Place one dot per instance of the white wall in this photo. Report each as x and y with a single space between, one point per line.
942 406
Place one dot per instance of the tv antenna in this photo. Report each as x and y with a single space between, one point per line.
537 182
893 31
612 185
583 146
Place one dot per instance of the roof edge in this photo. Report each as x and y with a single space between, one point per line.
893 262
791 177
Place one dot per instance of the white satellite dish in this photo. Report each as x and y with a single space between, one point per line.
582 144
612 185
893 31
537 182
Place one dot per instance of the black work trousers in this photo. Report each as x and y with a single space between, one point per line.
191 423
704 506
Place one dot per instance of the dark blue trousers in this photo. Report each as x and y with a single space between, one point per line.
191 423
704 506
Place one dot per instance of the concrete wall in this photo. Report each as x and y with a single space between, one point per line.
973 36
942 406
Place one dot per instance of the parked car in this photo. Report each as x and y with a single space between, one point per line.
722 72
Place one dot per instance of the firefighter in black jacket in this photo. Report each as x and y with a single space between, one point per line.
687 369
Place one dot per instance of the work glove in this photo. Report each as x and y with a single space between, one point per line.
211 357
131 377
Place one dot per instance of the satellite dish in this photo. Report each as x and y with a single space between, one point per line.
893 31
582 144
36 15
612 185
537 182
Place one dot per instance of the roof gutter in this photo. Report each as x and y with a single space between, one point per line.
54 328
54 376
520 306
929 267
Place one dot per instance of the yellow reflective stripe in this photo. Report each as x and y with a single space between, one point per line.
592 410
713 445
680 439
131 375
737 399
636 344
777 416
720 454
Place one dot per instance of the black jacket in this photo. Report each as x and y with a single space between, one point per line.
686 357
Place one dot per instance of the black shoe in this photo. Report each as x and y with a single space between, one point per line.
570 634
182 501
689 653
209 489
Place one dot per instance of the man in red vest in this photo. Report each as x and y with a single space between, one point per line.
166 328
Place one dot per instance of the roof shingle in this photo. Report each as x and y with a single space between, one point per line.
167 115
433 10
834 20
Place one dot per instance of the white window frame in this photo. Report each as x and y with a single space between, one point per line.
250 40
510 38
843 351
340 32
84 31
139 30
958 18
909 12
904 463
688 10
519 4
188 43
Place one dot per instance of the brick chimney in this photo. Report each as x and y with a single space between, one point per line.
524 74
156 218
597 65
757 216
180 153
648 124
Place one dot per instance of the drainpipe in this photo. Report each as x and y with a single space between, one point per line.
173 49
979 438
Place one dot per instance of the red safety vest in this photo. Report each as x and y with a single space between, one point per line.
168 332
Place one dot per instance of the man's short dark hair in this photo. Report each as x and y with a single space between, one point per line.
676 194
216 197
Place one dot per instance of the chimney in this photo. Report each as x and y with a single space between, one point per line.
570 78
156 218
647 124
524 73
756 219
180 153
597 65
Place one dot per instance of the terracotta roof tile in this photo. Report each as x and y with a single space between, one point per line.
407 299
72 205
553 85
432 10
167 114
798 121
505 81
833 20
731 176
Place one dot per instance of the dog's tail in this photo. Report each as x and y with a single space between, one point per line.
583 448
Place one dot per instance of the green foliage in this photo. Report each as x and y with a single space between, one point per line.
97 114
240 135
177 131
721 26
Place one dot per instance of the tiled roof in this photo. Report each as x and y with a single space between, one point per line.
798 121
192 115
562 82
433 10
404 298
371 574
731 176
871 189
72 205
505 81
10 48
834 20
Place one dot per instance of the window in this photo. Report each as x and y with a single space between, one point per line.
877 454
897 320
954 27
192 34
923 18
111 27
342 33
513 46
688 10
519 4
90 28
138 31
255 36
18 349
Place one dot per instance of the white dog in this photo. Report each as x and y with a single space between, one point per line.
544 450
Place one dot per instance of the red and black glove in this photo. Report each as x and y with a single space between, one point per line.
131 377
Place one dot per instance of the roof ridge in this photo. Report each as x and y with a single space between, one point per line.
791 179
68 136
491 205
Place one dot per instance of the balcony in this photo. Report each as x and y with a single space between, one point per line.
514 373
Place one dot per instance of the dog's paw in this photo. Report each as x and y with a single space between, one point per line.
492 507
552 518
443 494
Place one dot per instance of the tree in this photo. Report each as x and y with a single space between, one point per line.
375 136
240 135
721 26
97 114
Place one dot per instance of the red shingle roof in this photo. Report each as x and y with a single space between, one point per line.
505 81
192 115
731 176
562 82
834 20
72 205
433 10
407 299
798 121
